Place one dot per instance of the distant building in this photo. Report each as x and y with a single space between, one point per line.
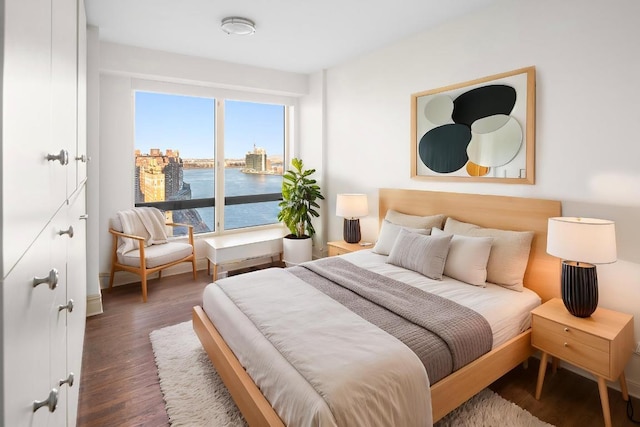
256 160
159 177
152 181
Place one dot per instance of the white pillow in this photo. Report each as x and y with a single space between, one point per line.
467 258
388 234
414 221
509 252
423 254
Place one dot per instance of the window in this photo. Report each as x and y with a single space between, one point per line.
254 158
176 169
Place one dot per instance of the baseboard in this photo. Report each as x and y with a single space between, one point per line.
124 277
633 387
94 304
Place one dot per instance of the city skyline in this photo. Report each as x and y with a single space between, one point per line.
186 124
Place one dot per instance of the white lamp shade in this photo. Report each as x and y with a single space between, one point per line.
587 240
352 205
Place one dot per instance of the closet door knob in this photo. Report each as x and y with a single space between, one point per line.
69 380
84 158
69 307
68 231
84 216
63 157
51 279
51 402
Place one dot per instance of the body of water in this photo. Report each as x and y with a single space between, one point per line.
236 184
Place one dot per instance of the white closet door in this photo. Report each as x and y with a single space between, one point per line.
62 233
76 291
64 86
26 324
80 157
30 197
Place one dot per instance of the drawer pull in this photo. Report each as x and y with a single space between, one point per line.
51 402
69 307
51 279
566 329
69 380
63 157
566 344
68 231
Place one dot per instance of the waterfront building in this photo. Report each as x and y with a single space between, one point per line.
256 160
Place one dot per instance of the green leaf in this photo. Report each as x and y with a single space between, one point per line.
299 194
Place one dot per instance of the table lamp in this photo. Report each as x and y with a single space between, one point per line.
351 207
581 243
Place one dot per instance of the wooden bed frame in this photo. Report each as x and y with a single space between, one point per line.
508 213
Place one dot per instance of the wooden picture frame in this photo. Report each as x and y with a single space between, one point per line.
477 131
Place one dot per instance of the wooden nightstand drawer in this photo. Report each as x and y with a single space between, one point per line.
565 332
333 251
573 351
341 247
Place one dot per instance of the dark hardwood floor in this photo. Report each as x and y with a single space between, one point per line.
119 384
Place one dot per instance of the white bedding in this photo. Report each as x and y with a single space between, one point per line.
339 369
507 311
291 395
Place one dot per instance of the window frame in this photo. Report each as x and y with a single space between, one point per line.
219 96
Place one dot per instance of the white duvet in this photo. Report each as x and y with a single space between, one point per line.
327 366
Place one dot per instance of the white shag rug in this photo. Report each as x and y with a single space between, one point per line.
195 396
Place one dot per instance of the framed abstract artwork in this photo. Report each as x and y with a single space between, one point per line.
482 130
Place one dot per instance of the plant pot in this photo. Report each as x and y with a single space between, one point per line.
296 250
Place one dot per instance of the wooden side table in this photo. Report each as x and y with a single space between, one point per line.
340 247
601 344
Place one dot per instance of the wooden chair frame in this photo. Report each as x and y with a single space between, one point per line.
142 270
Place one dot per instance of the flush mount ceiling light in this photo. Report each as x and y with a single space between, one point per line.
238 26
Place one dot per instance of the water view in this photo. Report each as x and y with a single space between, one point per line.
236 184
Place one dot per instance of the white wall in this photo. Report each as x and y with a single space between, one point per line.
587 144
311 148
123 68
94 301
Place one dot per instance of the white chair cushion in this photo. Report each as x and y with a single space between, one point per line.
156 255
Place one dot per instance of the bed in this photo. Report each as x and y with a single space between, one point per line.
541 277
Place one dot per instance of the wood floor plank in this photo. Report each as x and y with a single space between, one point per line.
119 383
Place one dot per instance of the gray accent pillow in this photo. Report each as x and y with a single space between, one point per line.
467 258
414 221
388 234
423 254
509 252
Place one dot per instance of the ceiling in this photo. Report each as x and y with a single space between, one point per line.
292 35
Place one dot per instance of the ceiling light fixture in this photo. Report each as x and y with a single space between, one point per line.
238 26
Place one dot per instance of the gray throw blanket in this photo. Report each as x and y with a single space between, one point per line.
443 334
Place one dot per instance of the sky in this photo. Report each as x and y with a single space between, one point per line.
186 124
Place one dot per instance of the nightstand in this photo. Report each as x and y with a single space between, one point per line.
341 247
601 344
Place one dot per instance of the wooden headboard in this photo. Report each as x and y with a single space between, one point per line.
506 213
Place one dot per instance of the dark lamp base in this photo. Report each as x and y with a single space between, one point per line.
351 230
579 288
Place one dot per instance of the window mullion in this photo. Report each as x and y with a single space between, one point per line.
219 165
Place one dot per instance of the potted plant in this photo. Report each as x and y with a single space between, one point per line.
297 208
